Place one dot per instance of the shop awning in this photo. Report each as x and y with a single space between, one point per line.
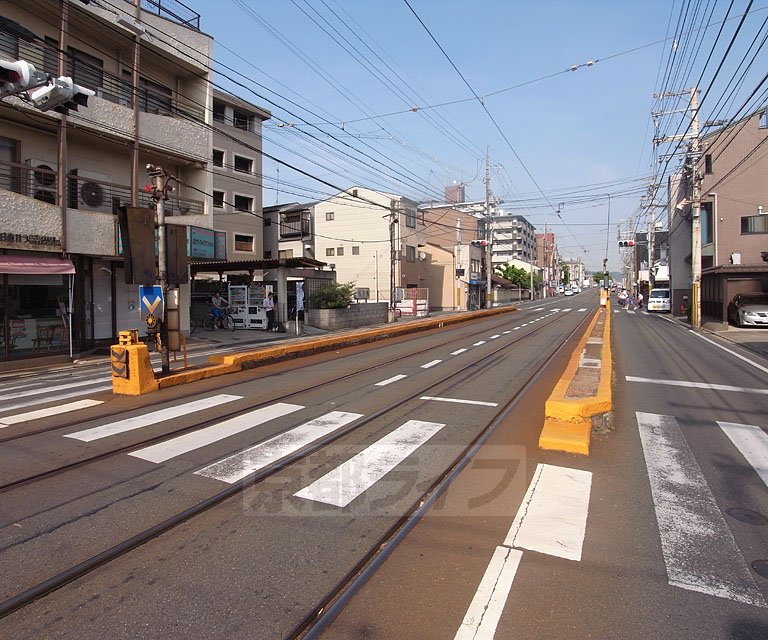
35 264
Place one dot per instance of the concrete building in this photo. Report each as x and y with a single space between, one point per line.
513 237
63 176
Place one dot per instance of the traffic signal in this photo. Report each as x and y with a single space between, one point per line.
61 96
627 243
480 243
19 76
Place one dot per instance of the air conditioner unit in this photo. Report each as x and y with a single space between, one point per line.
94 191
41 185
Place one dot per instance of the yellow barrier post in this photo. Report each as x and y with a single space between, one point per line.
132 372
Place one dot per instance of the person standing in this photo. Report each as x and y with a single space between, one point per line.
269 306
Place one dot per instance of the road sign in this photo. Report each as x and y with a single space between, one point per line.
151 301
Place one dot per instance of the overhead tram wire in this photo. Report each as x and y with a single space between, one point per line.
371 68
482 104
269 101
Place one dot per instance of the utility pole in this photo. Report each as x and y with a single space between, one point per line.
694 153
488 234
159 196
392 256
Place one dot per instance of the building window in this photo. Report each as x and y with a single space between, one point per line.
410 253
241 120
85 70
219 112
267 255
330 251
243 203
764 119
329 215
340 251
218 199
708 163
355 251
243 165
267 222
155 98
410 218
218 158
285 254
243 243
754 224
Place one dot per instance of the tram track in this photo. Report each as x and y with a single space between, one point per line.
104 557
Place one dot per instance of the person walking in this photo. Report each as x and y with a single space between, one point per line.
639 300
269 306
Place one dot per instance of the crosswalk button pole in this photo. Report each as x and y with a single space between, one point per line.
132 372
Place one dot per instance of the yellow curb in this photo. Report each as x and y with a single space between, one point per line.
572 437
567 421
232 363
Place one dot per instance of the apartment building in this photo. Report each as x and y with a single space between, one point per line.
357 235
62 176
513 237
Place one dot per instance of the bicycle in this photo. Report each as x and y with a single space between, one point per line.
211 322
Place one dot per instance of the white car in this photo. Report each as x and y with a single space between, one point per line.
659 300
569 292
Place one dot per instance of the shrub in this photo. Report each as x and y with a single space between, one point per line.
334 296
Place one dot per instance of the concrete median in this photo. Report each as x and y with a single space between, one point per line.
582 397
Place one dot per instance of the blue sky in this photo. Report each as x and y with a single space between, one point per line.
580 135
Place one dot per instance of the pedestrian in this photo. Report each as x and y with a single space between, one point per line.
639 300
218 304
630 301
623 298
269 306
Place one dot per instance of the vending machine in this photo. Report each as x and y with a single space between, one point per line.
246 302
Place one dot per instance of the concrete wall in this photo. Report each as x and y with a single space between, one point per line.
357 315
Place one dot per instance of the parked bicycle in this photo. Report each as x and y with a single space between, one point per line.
211 322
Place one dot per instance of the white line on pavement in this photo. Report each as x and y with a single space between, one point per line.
699 550
752 442
458 401
56 397
485 610
154 417
552 518
697 385
477 344
497 335
429 365
457 352
246 462
7 421
190 441
733 353
47 389
347 481
384 383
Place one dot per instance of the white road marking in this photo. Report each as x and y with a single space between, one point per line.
246 462
190 441
384 383
457 352
752 442
138 422
485 610
699 550
458 401
583 309
7 421
493 337
733 353
538 309
616 310
477 344
516 329
697 385
630 312
552 518
429 365
347 481
506 332
46 389
58 396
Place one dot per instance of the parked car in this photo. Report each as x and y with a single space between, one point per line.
659 300
749 310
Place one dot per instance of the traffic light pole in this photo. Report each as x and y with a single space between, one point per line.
162 261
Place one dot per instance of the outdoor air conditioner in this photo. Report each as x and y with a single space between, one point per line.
41 185
94 191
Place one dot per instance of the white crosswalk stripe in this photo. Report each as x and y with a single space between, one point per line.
752 442
197 439
7 421
154 417
246 462
700 552
347 481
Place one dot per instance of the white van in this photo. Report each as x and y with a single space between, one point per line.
659 300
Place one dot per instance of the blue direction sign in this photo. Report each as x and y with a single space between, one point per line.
151 301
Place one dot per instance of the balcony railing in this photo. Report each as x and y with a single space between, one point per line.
84 192
173 10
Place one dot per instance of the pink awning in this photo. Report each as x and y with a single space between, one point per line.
35 264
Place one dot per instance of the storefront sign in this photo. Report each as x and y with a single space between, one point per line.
202 243
28 240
